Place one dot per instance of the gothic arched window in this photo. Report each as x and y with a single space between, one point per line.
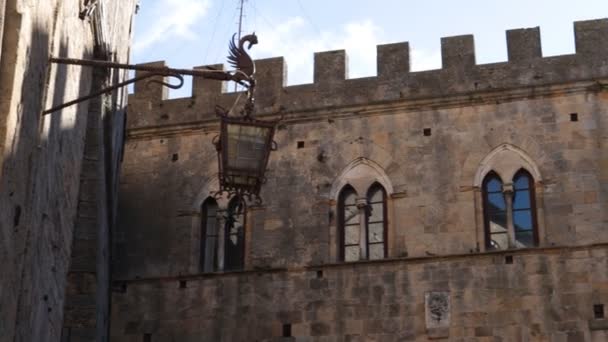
509 211
348 216
376 222
234 235
362 224
495 213
209 235
524 211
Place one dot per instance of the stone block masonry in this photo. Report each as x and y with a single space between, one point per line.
536 298
459 76
429 139
44 169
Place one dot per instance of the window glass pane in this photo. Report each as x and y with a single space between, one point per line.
522 220
498 222
376 195
235 232
494 185
350 197
210 244
521 199
376 232
524 238
351 215
351 235
496 202
376 251
234 244
499 241
211 227
351 253
376 212
246 146
522 181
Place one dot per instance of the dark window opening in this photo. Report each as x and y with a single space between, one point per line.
374 226
376 222
349 224
598 311
508 259
300 144
319 274
234 230
209 236
426 132
287 330
17 216
573 117
175 157
182 284
524 211
495 213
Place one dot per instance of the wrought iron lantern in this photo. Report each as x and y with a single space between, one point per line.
243 148
244 143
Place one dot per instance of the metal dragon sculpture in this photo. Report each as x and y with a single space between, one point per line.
241 61
244 73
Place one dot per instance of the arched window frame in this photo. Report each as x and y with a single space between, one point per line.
235 262
198 217
360 174
205 235
509 192
347 190
486 205
364 214
532 200
507 160
377 187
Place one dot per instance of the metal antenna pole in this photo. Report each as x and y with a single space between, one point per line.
241 2
240 31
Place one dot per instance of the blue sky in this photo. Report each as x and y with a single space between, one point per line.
188 33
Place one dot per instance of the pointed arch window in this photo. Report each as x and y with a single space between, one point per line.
509 211
234 241
349 225
222 245
524 211
495 213
209 234
376 222
362 224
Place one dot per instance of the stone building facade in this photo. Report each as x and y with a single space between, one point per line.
463 204
58 172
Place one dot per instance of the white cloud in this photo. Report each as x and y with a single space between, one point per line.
297 41
173 19
424 59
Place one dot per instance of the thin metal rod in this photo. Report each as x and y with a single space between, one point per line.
206 73
101 92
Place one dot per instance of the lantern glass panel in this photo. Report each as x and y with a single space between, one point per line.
246 149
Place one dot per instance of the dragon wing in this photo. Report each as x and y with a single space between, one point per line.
239 59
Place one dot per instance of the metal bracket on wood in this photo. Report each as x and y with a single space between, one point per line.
151 72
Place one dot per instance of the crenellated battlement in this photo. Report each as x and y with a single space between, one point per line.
331 87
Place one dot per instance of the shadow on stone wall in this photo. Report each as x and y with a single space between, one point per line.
40 183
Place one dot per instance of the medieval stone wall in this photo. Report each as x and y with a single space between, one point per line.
428 137
41 156
543 295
